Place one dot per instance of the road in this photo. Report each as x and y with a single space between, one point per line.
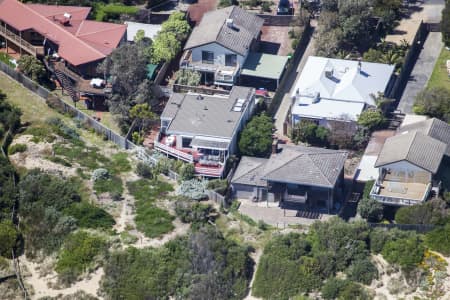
283 109
424 66
422 71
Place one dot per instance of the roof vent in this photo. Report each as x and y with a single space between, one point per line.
230 23
199 97
67 16
329 72
205 108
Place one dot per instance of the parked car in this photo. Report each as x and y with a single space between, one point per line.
285 7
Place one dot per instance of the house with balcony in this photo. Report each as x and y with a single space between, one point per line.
219 45
204 129
410 163
337 90
296 177
73 45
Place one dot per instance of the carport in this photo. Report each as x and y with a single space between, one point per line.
263 70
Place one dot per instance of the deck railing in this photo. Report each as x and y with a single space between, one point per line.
35 50
391 200
174 152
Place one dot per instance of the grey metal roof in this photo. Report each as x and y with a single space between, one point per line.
294 164
434 128
206 115
213 28
202 143
415 147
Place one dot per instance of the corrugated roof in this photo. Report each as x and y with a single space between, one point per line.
264 65
83 42
414 147
213 28
294 164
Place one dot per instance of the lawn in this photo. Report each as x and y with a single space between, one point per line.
440 77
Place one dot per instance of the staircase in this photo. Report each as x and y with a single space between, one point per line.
67 85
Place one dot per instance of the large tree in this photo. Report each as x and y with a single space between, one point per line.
127 67
256 138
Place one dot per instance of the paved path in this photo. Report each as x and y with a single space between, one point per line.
422 71
283 109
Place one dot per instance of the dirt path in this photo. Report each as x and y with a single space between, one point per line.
42 285
256 257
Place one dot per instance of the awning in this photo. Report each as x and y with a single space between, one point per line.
264 65
209 144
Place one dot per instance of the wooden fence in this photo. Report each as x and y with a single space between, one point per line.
64 107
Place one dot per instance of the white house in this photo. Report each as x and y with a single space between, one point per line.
410 161
220 44
337 89
203 129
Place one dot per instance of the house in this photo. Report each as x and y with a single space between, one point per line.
39 30
150 30
295 176
220 44
337 90
203 129
410 162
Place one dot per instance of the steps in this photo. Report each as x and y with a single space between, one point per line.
67 85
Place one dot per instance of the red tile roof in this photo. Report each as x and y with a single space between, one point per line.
82 42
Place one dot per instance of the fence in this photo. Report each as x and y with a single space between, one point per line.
274 20
284 85
178 88
415 227
410 60
67 108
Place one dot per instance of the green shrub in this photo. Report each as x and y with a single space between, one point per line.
362 271
332 288
430 212
193 212
439 240
354 291
187 172
119 163
193 189
90 216
371 119
59 160
188 77
256 138
100 174
368 188
218 185
9 239
370 209
128 238
78 255
114 11
111 185
144 170
405 252
17 148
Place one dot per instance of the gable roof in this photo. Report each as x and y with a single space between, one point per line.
434 128
347 83
319 167
414 147
82 42
213 28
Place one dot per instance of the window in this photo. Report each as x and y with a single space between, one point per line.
230 60
186 142
207 57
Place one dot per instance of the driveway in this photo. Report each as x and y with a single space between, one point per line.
421 72
283 109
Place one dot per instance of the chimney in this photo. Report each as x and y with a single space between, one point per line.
359 66
230 23
275 146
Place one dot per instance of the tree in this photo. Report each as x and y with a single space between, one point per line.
362 271
371 119
433 212
130 85
140 35
433 102
405 252
188 77
143 115
165 47
256 138
370 209
439 239
31 67
309 132
177 25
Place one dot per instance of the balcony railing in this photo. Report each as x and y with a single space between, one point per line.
295 198
401 201
210 172
174 152
35 50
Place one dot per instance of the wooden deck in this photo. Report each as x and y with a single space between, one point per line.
406 190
